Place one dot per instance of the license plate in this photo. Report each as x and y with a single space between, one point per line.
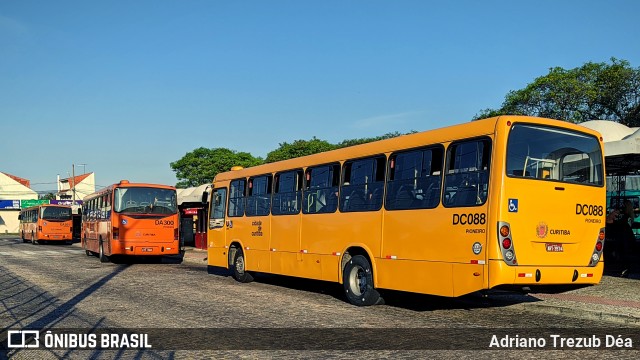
56 236
147 249
554 248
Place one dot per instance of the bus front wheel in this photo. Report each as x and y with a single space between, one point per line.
238 268
103 258
33 239
357 280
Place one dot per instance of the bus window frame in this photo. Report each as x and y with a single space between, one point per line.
328 191
250 196
446 171
244 197
299 185
343 170
422 149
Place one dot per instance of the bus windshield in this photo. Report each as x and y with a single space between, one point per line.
56 213
145 200
552 154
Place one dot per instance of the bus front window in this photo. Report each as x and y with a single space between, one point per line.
56 214
547 153
142 200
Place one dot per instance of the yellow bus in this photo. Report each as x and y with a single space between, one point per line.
46 222
131 219
506 201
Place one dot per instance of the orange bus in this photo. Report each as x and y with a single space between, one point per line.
46 222
131 219
500 202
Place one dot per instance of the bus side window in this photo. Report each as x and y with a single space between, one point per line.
287 193
320 194
414 179
237 198
258 201
363 183
467 174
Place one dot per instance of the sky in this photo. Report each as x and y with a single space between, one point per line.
127 87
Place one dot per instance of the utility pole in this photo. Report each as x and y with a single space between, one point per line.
73 179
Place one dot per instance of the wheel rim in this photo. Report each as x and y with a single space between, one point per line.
358 280
240 264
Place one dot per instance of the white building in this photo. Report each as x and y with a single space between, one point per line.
13 189
76 187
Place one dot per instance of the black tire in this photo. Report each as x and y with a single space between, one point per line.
33 239
238 268
357 279
103 258
22 237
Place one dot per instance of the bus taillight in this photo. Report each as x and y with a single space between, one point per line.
115 233
506 243
597 251
504 231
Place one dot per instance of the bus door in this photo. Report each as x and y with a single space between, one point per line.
218 226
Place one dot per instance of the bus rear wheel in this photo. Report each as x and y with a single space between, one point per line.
238 268
357 279
103 258
33 239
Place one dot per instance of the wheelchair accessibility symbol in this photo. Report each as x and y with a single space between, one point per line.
513 205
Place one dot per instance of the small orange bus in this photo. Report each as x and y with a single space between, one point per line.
131 219
46 222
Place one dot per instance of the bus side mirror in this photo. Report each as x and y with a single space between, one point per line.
19 216
205 197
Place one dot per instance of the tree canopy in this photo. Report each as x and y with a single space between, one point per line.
201 165
298 148
593 91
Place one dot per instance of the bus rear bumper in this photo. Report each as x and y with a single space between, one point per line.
144 249
503 274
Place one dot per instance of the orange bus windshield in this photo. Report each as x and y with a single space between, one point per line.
56 213
145 200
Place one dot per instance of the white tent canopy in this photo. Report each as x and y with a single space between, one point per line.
192 194
621 146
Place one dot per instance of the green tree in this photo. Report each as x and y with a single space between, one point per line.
201 165
298 148
593 91
352 142
48 196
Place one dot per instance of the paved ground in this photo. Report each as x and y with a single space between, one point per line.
615 299
204 311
